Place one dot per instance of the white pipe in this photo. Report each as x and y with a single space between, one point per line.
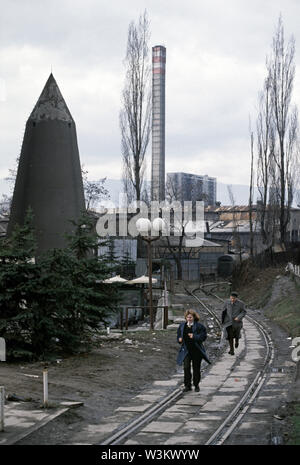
2 401
45 384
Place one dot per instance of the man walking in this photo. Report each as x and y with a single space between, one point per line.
232 316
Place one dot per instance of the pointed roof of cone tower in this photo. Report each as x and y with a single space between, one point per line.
51 104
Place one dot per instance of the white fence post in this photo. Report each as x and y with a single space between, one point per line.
45 383
2 350
2 401
295 269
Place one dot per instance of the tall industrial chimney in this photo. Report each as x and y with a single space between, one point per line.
158 122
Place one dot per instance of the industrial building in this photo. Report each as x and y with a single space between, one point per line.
231 223
192 187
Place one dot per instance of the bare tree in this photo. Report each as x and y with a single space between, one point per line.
135 115
94 191
281 73
128 185
297 195
179 226
251 197
6 200
175 244
5 206
273 207
235 232
265 145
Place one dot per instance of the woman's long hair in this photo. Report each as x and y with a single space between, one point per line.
193 313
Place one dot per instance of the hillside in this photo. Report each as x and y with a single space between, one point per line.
277 294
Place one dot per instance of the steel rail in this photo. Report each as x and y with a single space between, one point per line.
126 431
211 312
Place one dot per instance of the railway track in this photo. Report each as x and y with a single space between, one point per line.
228 390
239 411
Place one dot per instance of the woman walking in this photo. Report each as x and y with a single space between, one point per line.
191 334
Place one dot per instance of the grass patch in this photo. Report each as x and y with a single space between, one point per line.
294 436
257 290
286 312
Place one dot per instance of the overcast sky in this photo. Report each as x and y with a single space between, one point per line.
216 52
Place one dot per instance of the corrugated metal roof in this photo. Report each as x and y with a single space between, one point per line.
228 226
228 208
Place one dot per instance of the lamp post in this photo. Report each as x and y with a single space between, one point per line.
144 225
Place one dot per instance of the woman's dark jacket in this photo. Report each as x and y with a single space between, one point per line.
199 332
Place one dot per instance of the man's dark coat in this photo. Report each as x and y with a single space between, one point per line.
232 311
199 335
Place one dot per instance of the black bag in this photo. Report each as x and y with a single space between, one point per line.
223 315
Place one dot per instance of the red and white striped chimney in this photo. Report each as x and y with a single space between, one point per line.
158 122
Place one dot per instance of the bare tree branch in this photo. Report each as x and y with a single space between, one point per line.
281 73
251 196
94 191
135 115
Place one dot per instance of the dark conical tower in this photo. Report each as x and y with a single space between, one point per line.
49 176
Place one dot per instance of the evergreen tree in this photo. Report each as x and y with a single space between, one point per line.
127 265
58 302
17 269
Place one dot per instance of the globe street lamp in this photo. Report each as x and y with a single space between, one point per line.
144 226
